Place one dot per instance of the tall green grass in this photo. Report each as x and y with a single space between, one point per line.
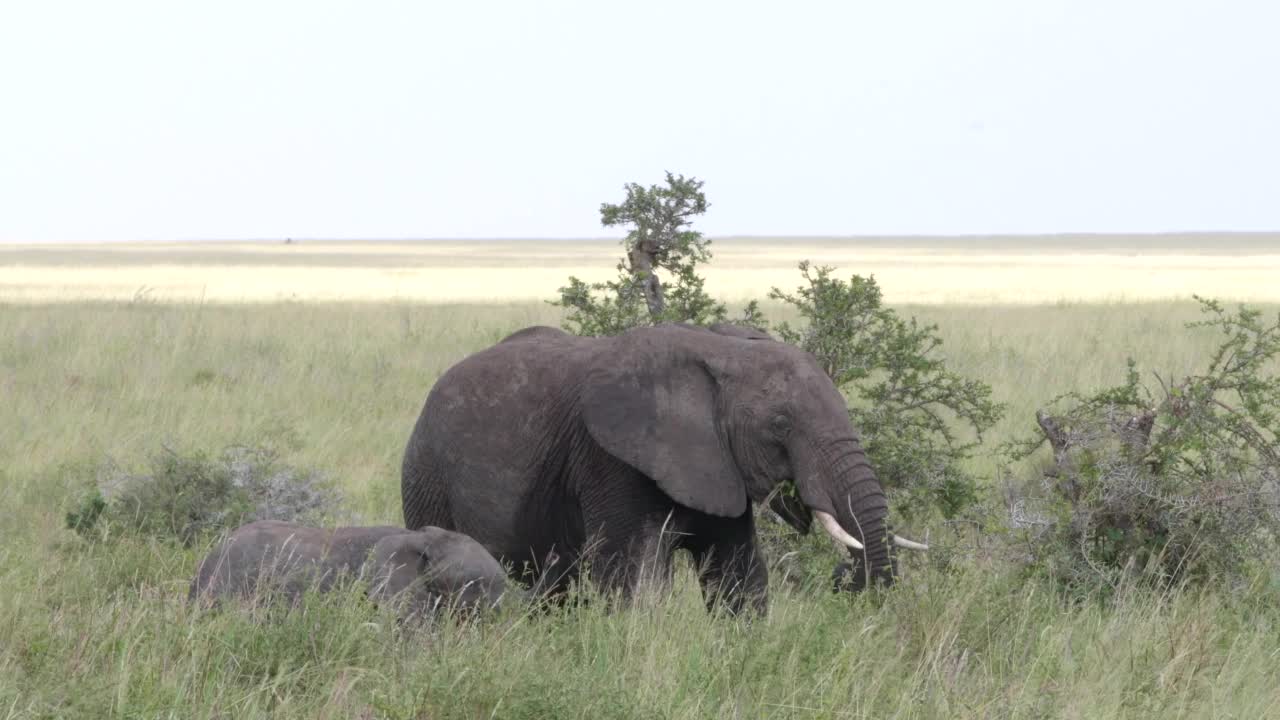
101 630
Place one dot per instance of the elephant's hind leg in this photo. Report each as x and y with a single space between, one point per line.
424 497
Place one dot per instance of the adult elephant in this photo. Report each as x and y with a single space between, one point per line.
660 438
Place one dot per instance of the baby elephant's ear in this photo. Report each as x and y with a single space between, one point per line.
441 566
399 561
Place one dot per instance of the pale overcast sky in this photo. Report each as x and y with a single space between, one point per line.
179 120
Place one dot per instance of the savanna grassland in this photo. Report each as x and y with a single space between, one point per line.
102 362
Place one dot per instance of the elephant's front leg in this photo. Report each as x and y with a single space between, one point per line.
730 566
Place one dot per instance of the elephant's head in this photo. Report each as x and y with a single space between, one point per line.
434 568
721 417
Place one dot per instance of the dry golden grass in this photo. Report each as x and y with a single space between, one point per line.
912 270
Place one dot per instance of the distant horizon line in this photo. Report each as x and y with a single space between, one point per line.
728 236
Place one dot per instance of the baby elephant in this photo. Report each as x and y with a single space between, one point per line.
425 569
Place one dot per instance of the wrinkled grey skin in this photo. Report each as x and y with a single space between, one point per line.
419 571
650 441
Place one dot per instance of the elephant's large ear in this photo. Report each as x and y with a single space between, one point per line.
652 404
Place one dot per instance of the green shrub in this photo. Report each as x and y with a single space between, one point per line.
84 519
904 400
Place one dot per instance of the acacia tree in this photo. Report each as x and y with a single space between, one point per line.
660 240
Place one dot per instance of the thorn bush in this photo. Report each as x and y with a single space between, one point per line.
1180 481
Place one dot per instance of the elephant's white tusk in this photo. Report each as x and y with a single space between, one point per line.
909 544
834 530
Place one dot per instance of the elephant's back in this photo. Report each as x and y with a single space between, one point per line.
504 392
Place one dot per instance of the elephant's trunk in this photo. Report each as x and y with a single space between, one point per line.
836 481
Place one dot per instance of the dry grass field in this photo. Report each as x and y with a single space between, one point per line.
98 368
975 270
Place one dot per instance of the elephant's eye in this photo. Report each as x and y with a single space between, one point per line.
780 425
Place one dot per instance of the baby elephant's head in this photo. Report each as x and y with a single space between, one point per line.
432 569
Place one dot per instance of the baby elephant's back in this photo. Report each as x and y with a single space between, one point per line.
285 557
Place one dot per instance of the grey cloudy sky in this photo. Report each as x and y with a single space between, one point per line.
173 120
